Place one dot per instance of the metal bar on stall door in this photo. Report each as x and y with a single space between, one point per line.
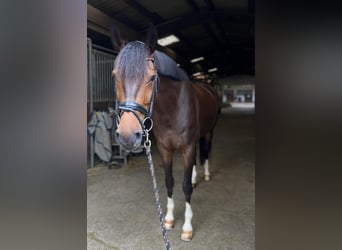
91 106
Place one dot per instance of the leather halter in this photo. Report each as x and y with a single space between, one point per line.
129 106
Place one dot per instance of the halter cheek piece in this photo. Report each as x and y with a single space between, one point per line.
129 106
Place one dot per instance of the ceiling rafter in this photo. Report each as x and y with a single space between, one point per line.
211 7
196 9
221 31
156 19
101 23
209 31
199 17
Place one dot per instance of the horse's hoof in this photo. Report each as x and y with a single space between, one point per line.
186 235
169 224
207 177
194 185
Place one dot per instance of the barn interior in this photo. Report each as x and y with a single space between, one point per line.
214 39
214 42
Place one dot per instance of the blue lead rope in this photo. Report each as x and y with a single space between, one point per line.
156 193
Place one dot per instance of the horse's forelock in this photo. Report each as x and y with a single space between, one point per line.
131 62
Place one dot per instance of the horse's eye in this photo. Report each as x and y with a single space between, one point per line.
151 80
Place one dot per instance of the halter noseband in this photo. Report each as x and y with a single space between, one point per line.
129 106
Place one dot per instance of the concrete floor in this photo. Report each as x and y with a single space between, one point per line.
121 206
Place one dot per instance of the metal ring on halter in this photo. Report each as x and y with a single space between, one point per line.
145 121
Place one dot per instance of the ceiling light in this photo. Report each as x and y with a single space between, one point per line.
212 69
168 40
197 59
197 74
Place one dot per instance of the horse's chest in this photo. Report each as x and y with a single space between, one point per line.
170 138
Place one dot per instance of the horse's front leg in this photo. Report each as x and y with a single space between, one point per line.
188 156
166 156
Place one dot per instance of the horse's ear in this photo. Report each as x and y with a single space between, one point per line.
115 36
151 38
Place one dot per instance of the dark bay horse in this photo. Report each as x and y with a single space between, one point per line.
149 86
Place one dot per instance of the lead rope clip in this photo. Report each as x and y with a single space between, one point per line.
147 143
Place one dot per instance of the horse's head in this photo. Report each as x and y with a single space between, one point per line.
136 85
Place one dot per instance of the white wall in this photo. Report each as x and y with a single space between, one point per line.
238 83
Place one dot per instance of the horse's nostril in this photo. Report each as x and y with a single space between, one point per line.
138 135
117 137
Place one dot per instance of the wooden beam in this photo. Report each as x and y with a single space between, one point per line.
100 22
153 17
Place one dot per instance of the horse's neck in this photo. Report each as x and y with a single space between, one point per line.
174 101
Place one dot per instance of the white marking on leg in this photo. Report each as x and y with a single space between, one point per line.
194 175
188 216
206 170
169 218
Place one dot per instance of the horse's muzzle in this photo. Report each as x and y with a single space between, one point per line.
130 141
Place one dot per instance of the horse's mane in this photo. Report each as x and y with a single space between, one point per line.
166 66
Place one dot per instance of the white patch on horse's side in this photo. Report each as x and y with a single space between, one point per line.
194 175
206 170
188 216
170 207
